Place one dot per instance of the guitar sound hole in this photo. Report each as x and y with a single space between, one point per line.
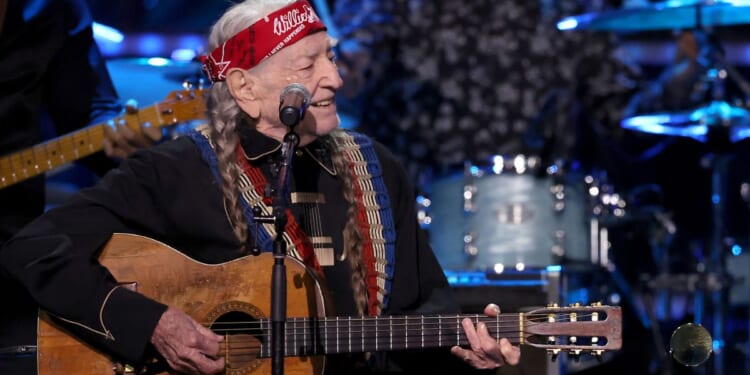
243 338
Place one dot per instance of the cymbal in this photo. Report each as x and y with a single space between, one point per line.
695 124
667 15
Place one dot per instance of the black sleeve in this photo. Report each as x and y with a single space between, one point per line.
54 257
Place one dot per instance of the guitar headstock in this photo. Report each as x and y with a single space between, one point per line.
183 105
575 329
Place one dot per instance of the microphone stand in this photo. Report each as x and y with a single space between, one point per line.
290 115
278 275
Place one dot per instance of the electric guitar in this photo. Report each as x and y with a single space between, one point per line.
18 166
233 299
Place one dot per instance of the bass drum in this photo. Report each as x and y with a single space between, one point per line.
509 218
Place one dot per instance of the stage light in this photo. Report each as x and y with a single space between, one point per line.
183 54
736 250
567 24
157 61
108 34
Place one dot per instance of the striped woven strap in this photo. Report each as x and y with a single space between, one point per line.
374 216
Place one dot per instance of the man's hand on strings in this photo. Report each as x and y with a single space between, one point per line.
486 352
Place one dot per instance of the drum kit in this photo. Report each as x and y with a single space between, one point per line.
520 212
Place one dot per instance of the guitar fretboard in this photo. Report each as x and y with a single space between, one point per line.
313 336
33 161
36 160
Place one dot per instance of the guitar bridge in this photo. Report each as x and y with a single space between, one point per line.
120 369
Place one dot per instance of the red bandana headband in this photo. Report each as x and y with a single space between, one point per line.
262 39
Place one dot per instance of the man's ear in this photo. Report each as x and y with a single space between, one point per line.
241 86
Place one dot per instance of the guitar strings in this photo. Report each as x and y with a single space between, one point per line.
253 348
442 320
307 332
307 340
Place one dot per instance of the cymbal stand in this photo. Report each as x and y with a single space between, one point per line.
714 268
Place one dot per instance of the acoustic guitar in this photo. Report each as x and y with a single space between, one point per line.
179 106
233 299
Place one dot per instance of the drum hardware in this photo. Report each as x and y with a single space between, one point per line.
470 247
470 192
606 207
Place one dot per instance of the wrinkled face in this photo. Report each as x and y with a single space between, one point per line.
309 62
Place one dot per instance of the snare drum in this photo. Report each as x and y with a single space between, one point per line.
509 216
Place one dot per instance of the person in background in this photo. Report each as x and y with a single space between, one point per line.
52 80
200 194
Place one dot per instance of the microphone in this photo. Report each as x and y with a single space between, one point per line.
292 104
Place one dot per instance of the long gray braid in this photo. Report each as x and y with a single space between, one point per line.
352 233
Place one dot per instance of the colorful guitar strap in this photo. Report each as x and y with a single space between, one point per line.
374 215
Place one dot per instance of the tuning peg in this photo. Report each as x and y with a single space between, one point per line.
552 305
597 354
553 354
575 354
131 106
577 304
596 304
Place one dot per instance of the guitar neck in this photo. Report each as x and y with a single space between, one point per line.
33 161
320 336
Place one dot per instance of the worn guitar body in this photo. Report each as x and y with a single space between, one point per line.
203 291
